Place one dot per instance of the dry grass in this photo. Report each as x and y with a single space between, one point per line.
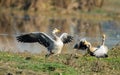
37 64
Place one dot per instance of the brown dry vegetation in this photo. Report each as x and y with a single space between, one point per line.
43 15
32 15
82 17
18 16
65 64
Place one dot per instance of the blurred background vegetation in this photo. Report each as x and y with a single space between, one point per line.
85 18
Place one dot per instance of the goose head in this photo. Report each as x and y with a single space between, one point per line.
56 30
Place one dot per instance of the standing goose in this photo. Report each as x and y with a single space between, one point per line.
45 40
100 51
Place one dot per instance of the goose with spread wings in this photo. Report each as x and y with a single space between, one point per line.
45 40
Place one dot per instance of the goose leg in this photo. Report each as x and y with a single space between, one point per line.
49 53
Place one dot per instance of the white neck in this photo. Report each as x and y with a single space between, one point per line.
103 41
54 34
91 48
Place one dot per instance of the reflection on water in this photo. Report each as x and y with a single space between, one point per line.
111 29
13 45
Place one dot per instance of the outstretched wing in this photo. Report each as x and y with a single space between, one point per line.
40 37
80 45
66 38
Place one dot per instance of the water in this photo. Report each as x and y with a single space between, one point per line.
9 42
15 46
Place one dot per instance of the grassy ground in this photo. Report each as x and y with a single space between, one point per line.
65 64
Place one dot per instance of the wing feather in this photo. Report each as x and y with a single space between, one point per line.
66 38
40 37
80 45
